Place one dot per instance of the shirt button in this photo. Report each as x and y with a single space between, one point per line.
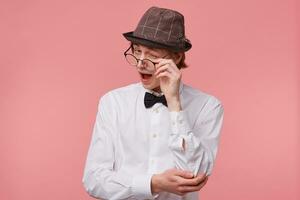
180 121
154 135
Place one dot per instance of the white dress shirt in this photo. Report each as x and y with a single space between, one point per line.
130 143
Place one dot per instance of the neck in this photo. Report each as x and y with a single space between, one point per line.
157 89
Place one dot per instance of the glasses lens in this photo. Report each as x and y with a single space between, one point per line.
150 65
131 59
134 62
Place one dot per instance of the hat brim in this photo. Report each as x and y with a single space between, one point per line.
130 37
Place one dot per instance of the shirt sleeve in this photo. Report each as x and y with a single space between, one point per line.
100 180
201 141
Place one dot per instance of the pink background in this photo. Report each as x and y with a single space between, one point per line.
58 57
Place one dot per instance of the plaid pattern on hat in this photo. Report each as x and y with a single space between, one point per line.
161 28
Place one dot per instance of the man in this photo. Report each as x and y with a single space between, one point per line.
158 138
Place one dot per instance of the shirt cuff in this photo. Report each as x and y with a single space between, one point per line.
141 187
179 123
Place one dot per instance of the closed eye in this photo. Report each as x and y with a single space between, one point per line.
153 57
137 51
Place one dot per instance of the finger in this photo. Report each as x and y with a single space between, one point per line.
200 178
157 60
185 189
160 60
171 75
162 69
201 185
170 65
161 64
183 174
194 181
165 62
164 74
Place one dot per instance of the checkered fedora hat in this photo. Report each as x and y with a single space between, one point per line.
161 28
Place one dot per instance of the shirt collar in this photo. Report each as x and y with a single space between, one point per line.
160 93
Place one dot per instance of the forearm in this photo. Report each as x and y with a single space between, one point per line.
195 149
155 187
174 104
191 155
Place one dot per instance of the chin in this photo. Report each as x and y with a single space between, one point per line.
151 86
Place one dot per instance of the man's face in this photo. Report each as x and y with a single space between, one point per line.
145 69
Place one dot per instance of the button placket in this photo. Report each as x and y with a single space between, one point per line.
153 135
157 135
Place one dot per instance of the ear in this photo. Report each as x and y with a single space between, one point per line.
177 57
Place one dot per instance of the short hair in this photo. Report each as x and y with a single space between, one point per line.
181 65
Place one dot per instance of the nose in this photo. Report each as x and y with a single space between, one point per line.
141 63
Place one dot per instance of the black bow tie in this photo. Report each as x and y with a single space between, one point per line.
151 99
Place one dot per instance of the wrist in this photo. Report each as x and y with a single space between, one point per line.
174 104
155 184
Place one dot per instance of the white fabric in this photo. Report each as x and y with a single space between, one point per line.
131 143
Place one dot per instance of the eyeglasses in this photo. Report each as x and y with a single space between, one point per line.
132 60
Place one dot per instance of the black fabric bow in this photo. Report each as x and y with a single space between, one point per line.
151 99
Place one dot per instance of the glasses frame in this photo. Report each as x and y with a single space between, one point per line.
137 60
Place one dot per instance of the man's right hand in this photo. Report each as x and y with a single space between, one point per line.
177 181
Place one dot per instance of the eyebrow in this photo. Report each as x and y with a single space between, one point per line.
152 50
